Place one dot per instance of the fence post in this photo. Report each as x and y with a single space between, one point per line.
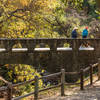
99 69
62 81
9 91
36 88
91 75
81 79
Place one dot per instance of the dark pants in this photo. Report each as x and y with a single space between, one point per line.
74 36
84 37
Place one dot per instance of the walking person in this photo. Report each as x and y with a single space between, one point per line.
84 35
74 33
85 32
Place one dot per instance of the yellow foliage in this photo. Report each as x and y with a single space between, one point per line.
7 65
25 2
43 71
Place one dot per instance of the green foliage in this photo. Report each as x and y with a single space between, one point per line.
42 18
20 73
39 18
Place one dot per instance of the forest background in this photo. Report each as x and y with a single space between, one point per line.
44 19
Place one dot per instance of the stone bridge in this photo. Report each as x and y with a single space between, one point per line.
51 54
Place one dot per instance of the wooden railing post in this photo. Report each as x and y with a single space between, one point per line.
9 91
99 69
91 75
36 88
62 81
81 79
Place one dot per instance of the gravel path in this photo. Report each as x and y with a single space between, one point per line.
89 93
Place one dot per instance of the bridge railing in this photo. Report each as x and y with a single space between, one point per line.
62 84
52 43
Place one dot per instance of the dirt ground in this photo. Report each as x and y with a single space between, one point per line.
89 93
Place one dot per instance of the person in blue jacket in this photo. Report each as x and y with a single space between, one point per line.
74 33
85 32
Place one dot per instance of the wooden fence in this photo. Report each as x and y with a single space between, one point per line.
62 74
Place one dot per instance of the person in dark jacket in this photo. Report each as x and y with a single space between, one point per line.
85 32
74 33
